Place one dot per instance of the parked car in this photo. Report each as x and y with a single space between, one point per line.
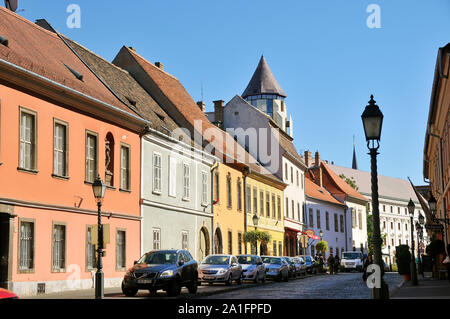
220 268
300 266
162 269
276 268
292 269
6 294
352 260
252 267
310 264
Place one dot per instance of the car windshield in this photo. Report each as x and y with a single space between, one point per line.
247 260
158 258
216 260
270 260
351 256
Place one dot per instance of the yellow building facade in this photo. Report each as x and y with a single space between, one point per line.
264 197
228 186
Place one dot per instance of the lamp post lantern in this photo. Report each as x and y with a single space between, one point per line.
255 220
98 187
372 119
411 208
321 234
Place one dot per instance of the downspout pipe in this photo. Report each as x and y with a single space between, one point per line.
245 173
213 168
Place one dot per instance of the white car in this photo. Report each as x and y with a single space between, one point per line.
352 260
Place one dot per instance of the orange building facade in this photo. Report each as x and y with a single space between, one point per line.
57 132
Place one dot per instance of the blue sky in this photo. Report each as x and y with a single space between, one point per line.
322 53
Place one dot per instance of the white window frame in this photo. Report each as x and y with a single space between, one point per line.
30 142
156 242
125 171
172 174
204 188
61 151
157 173
186 181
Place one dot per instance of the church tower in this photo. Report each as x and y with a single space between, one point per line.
264 93
354 163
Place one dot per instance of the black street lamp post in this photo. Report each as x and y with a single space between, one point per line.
372 119
99 188
411 208
389 252
255 220
418 232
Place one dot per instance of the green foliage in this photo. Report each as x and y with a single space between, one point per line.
322 246
403 258
253 236
350 181
436 247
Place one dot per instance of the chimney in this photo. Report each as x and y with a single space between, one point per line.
132 49
308 158
201 105
44 24
218 112
159 65
317 159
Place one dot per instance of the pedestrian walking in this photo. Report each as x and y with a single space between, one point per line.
337 263
366 264
330 262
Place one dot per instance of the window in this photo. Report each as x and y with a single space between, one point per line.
292 174
204 188
399 226
301 177
120 250
59 247
398 210
230 242
267 205
353 218
286 171
255 200
274 248
384 208
336 229
293 209
278 207
156 238
298 179
298 211
406 227
261 203
26 246
60 149
384 224
91 157
239 194
172 172
184 240
311 218
27 157
287 208
216 185
125 167
273 206
248 203
229 191
392 225
318 218
280 248
91 257
360 222
186 181
327 221
392 208
239 243
341 220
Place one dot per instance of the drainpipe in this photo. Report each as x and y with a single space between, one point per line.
213 168
345 227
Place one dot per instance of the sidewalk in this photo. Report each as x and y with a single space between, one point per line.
428 288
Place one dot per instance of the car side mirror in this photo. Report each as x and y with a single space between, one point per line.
135 262
181 262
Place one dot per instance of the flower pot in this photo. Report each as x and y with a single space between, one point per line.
406 278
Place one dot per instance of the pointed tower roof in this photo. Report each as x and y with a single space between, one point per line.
263 81
354 163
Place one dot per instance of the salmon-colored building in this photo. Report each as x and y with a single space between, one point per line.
60 126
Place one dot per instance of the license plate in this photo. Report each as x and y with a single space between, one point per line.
208 277
144 281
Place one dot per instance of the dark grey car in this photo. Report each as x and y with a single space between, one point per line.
220 268
252 267
276 268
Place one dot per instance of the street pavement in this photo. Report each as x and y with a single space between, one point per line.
338 286
427 288
323 286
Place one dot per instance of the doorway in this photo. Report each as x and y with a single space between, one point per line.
4 249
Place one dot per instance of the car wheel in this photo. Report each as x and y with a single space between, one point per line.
174 289
129 292
152 291
286 279
263 280
192 288
239 280
229 280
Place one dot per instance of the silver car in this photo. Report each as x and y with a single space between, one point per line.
220 268
300 266
276 268
253 268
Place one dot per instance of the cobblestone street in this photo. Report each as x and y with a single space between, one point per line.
340 286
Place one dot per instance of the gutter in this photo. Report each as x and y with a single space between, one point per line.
213 168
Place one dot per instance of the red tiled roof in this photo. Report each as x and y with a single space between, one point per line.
315 191
43 52
173 90
333 181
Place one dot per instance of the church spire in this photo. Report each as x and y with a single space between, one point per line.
354 163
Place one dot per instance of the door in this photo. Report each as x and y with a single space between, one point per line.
4 249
